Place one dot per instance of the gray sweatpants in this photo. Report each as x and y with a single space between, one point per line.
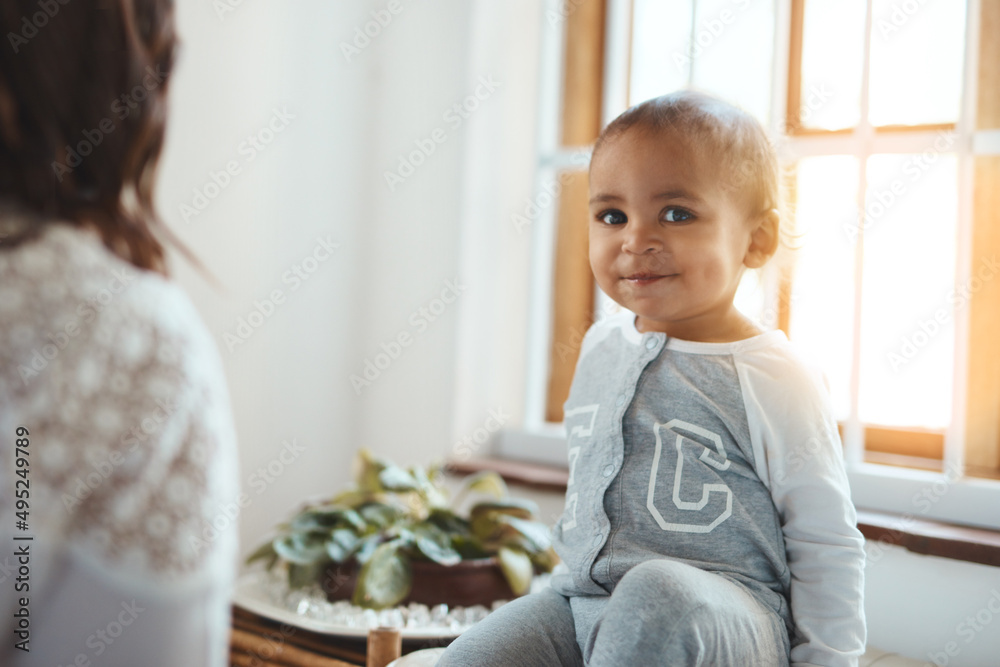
662 612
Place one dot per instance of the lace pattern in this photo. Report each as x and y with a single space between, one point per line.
120 386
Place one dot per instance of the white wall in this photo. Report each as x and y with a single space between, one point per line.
323 176
920 606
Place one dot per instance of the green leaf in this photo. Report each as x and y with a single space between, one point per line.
264 551
496 529
394 478
486 527
519 507
354 498
384 580
469 547
435 544
367 546
341 544
448 521
516 568
435 496
313 519
487 482
537 534
379 514
413 504
353 519
366 472
544 561
301 548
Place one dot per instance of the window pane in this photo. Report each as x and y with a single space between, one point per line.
917 54
907 322
833 45
661 32
750 300
822 307
733 50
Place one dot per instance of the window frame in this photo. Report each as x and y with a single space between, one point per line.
876 485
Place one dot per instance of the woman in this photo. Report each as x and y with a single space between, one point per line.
116 437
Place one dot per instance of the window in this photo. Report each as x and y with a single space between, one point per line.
892 153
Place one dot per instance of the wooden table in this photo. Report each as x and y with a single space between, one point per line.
262 642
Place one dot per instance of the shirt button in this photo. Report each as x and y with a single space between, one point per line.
598 539
650 343
608 469
621 400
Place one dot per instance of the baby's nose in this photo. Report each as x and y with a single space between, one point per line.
641 239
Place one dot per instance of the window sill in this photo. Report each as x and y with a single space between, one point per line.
919 535
931 538
532 475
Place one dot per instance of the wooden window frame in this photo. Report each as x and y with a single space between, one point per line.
978 452
973 445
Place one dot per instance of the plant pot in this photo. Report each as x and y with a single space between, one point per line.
467 583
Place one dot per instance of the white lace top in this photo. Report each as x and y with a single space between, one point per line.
130 461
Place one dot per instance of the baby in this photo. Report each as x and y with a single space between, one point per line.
708 519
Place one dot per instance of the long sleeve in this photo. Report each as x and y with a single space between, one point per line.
800 458
132 460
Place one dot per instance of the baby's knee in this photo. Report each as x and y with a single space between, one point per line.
663 588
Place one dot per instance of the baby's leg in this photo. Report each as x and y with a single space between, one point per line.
532 631
664 612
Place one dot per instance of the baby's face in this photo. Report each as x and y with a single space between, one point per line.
666 241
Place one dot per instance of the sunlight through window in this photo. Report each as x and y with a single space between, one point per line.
822 301
833 44
915 51
908 315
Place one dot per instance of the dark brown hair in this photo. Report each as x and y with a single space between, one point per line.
728 136
83 88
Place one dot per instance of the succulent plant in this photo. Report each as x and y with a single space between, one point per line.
397 515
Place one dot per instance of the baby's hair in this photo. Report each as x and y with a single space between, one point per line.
718 130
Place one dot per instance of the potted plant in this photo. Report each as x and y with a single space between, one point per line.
395 537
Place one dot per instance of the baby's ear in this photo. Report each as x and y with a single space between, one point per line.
763 239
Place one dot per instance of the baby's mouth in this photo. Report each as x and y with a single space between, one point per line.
643 278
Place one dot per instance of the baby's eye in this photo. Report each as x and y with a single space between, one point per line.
677 215
612 217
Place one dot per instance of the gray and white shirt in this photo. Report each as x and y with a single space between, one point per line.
724 456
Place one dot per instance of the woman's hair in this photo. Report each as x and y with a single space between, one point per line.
82 113
731 139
